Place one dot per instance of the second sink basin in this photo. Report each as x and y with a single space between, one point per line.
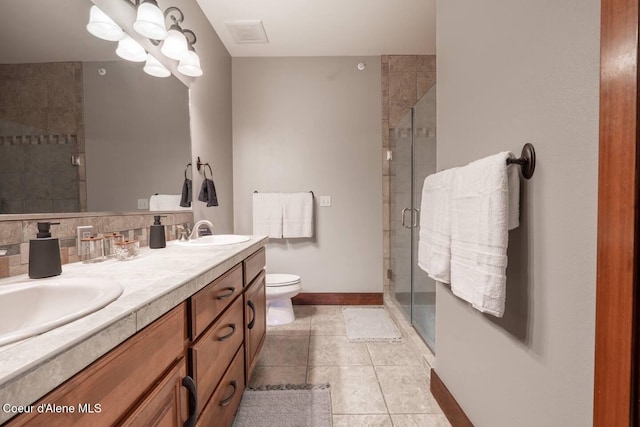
36 306
216 240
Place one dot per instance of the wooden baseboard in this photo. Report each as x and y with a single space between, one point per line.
338 299
448 403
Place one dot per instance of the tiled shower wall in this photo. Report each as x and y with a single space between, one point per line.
15 234
41 126
405 79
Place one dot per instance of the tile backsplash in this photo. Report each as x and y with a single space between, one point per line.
16 233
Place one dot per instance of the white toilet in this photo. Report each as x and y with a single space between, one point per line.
279 290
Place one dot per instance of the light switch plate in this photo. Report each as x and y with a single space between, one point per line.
325 201
143 203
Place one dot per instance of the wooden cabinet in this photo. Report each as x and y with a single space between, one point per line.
110 388
190 365
255 315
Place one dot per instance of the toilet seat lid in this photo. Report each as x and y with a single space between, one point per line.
282 279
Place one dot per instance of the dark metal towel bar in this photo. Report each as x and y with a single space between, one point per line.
527 161
312 195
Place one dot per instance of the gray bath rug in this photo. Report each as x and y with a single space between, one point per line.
365 324
291 405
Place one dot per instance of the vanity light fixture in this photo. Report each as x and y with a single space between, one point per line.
189 64
102 26
131 50
175 46
150 21
153 67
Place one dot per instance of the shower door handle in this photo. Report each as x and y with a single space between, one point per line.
414 219
404 211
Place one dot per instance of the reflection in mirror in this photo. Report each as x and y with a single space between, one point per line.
81 129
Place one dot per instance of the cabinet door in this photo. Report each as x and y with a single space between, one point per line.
222 407
167 405
255 315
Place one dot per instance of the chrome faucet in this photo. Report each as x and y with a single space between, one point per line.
196 228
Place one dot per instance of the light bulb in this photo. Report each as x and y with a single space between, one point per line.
150 21
175 45
153 67
102 26
190 64
131 50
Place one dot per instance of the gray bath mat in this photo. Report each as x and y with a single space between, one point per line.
300 405
369 324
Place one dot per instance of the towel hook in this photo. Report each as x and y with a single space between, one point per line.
527 160
199 166
204 171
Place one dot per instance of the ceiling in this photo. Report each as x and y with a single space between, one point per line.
329 27
293 27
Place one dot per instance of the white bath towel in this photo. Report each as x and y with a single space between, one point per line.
434 244
297 218
166 202
480 220
267 214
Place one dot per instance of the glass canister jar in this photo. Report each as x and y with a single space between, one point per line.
127 249
91 249
110 240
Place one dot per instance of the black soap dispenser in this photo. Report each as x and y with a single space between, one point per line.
44 253
157 237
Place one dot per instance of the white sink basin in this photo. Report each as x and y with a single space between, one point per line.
216 240
36 306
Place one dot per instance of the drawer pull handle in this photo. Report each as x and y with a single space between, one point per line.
253 318
225 402
233 330
227 295
193 401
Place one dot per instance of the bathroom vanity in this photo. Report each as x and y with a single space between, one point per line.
199 325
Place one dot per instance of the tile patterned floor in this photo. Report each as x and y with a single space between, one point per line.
372 384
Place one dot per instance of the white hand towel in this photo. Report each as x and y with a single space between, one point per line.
166 202
480 220
267 214
297 219
434 244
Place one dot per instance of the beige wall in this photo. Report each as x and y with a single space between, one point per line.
509 73
303 124
136 135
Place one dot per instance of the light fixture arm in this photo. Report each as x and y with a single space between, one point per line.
174 14
190 36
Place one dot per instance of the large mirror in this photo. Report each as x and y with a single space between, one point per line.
80 128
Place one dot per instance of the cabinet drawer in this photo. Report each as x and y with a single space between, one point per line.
207 304
222 407
119 379
253 265
167 405
213 352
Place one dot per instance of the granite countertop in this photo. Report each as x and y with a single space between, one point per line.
154 282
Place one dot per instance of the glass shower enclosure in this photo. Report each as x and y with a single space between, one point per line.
413 146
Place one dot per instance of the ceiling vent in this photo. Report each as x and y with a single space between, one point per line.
247 31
